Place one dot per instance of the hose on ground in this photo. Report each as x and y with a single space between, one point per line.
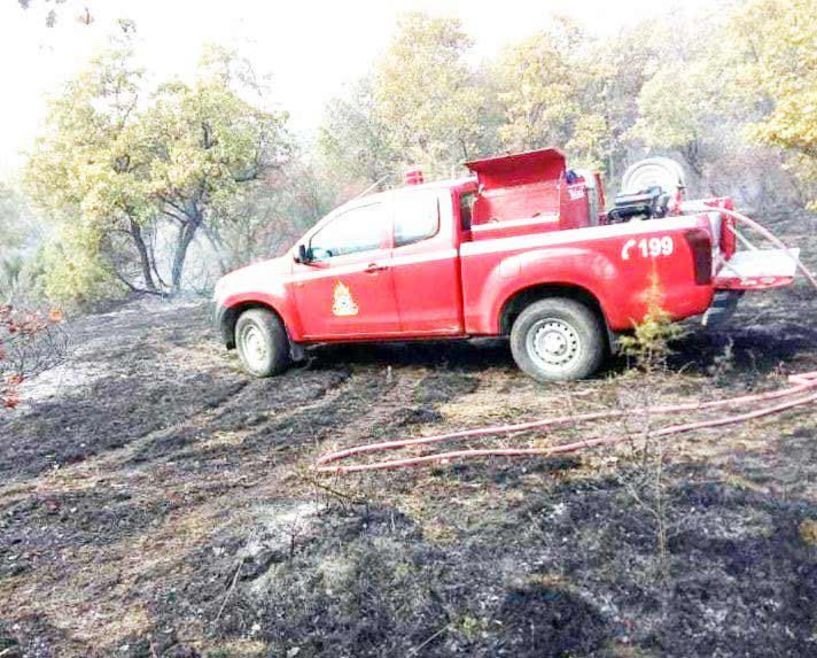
804 386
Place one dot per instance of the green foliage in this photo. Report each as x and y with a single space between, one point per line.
75 272
422 104
121 166
425 92
87 171
686 87
203 141
562 88
539 85
649 344
677 110
777 63
116 164
687 103
355 141
616 74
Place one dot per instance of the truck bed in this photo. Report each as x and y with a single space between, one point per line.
623 266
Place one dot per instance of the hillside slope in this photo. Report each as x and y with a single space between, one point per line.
154 501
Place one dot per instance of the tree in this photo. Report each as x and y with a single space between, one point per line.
88 169
117 165
421 104
617 69
268 217
356 142
552 90
539 88
203 143
424 91
776 51
679 110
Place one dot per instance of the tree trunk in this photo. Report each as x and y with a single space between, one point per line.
186 234
692 154
144 259
218 247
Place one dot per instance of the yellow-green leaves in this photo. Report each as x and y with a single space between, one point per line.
776 57
540 86
679 110
115 161
424 91
75 271
421 104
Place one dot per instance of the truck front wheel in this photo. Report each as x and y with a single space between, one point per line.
558 339
262 342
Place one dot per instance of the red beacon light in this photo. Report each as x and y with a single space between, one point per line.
413 177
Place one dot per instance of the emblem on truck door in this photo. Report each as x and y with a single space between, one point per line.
343 303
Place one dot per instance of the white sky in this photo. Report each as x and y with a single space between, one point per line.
311 48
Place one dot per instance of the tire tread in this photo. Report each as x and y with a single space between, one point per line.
586 322
276 335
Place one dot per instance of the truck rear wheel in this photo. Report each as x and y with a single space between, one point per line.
262 342
558 339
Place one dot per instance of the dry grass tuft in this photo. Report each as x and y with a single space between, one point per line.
808 531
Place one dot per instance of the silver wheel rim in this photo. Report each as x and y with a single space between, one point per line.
553 345
254 347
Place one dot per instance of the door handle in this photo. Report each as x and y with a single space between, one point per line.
371 268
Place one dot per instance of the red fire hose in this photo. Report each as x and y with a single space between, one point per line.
803 391
751 223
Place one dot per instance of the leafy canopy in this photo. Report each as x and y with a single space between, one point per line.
421 104
777 46
116 163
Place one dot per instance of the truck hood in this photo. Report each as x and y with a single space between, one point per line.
252 278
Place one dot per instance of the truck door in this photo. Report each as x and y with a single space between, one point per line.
425 263
347 290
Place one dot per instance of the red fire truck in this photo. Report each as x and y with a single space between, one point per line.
521 248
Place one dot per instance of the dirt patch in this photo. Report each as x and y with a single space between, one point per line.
38 527
114 412
543 621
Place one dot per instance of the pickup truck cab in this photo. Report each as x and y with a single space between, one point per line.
522 248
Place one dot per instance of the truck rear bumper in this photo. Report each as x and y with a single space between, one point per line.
757 269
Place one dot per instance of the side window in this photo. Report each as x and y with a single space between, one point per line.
416 217
360 229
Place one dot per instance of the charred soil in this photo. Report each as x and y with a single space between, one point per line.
155 501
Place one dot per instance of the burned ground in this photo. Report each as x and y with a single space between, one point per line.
157 502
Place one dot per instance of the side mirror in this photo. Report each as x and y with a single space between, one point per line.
303 254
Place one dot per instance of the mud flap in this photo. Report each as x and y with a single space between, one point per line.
296 351
723 306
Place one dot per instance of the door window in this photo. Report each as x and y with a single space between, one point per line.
360 229
416 217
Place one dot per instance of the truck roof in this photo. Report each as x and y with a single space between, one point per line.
448 184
